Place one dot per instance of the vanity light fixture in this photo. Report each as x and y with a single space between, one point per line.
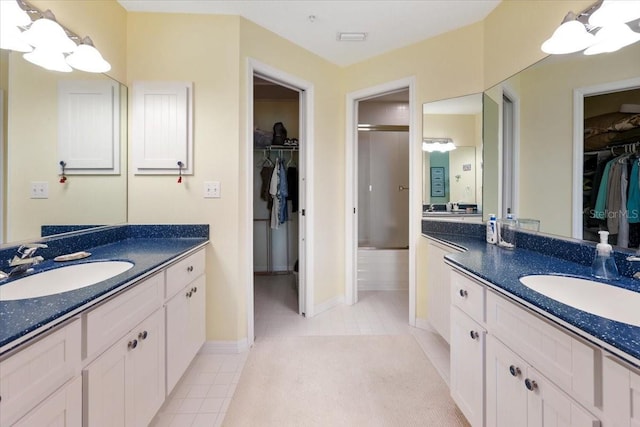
87 58
46 33
11 18
441 145
48 59
607 19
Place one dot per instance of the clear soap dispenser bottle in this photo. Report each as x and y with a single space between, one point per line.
604 265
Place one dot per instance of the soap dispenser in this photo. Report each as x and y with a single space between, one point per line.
604 265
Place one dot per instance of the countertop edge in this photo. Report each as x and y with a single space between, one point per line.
45 329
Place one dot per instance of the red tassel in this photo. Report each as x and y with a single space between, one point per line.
180 180
63 179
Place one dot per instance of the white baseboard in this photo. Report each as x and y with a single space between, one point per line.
224 347
383 286
328 305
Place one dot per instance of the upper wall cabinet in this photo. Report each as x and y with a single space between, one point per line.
162 128
89 126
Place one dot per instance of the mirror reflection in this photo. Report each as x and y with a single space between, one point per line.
78 118
452 155
539 114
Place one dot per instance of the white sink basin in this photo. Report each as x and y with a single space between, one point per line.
610 302
62 279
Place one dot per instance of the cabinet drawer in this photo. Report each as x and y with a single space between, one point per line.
111 320
468 295
64 407
556 354
183 272
29 376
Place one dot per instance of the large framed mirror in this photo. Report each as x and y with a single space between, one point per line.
452 156
544 108
31 129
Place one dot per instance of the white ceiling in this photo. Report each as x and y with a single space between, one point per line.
389 24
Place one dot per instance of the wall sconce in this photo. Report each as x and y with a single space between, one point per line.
441 145
46 43
600 28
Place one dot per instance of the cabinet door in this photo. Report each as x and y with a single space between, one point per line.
467 366
63 408
107 388
621 394
148 369
506 395
549 407
185 329
438 293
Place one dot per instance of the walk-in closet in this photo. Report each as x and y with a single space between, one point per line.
275 194
611 189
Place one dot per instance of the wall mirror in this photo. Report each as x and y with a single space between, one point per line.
453 176
547 126
31 128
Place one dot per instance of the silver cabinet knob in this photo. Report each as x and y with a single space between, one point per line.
530 384
189 294
463 293
515 371
190 268
194 289
474 335
132 344
142 335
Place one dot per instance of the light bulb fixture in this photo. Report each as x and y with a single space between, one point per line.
87 58
48 59
441 145
611 38
12 14
11 38
46 33
605 18
615 12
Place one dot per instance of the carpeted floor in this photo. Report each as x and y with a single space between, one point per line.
371 380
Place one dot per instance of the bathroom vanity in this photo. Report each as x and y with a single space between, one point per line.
115 349
521 358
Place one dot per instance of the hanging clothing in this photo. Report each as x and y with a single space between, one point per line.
633 202
273 192
623 219
283 192
292 182
614 197
601 201
265 175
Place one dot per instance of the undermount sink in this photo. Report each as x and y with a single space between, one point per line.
62 279
610 302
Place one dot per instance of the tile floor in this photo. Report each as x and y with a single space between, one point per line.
205 391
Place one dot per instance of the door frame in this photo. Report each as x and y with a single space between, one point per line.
351 187
305 222
578 141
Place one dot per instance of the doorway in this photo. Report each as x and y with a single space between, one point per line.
279 240
355 188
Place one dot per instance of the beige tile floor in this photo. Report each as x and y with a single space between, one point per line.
202 396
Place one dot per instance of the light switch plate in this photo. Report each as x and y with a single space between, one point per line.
39 190
212 189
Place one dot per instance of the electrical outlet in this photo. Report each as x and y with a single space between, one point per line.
39 190
212 190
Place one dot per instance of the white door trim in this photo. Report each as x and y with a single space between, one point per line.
578 142
351 189
305 262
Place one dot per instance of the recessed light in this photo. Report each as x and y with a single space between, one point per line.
352 37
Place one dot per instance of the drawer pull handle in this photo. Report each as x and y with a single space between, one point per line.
142 335
190 268
132 344
515 371
463 293
530 384
474 335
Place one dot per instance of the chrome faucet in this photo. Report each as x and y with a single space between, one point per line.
24 259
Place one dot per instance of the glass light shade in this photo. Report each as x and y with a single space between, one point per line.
615 12
53 61
11 39
12 15
611 38
442 147
48 34
572 36
87 58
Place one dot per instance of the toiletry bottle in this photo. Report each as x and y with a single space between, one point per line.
604 265
492 232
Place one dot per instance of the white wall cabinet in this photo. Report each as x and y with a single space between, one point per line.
125 385
185 307
518 395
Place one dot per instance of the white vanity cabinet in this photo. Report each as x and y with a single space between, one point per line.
467 347
438 292
64 407
30 377
185 307
620 394
124 386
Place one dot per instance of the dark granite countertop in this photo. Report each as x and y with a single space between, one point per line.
500 269
23 319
